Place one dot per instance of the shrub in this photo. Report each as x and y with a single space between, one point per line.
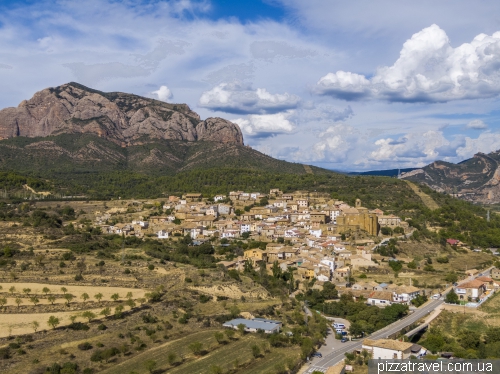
148 318
79 326
102 327
85 346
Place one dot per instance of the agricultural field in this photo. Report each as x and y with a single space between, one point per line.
75 301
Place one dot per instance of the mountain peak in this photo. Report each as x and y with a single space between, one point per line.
122 118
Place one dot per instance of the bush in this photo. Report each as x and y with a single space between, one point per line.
148 318
79 326
85 346
78 277
443 260
102 327
205 298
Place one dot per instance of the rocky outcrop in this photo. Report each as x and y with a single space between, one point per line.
476 179
122 118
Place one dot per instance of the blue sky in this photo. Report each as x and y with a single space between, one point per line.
346 85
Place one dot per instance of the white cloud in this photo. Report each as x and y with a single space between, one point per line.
240 98
429 69
163 93
477 124
265 125
486 142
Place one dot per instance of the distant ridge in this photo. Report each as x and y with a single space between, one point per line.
383 173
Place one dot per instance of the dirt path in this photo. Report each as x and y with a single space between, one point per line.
426 199
308 169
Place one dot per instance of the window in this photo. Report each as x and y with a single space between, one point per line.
395 355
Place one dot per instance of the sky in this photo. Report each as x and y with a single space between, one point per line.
344 85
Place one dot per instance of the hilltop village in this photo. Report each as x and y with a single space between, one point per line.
323 239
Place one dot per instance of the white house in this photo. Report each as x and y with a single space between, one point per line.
405 294
219 198
317 232
162 234
245 227
380 298
387 349
330 262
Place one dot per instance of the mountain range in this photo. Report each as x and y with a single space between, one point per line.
476 179
73 128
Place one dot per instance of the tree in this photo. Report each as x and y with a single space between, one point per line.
150 365
64 290
130 303
229 333
451 297
234 311
68 298
73 318
241 328
53 321
129 295
27 291
219 337
196 348
12 290
141 300
85 296
255 350
451 277
412 265
35 325
51 298
98 297
171 358
3 302
277 272
34 300
18 301
356 329
45 290
115 297
89 315
105 312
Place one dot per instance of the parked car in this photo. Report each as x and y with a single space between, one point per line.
343 340
343 333
317 354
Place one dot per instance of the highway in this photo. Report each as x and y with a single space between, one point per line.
335 355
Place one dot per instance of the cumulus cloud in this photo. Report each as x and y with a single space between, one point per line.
429 69
486 142
266 125
477 124
163 93
240 98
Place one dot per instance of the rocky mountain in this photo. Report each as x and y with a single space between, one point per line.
476 179
121 118
74 129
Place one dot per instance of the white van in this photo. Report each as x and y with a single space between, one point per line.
339 326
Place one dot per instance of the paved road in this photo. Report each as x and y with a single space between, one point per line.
333 352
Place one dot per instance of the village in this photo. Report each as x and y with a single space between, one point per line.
322 239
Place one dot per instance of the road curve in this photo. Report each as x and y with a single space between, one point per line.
338 354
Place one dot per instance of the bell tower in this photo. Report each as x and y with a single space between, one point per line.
358 203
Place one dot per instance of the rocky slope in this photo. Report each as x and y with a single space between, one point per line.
121 118
476 179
